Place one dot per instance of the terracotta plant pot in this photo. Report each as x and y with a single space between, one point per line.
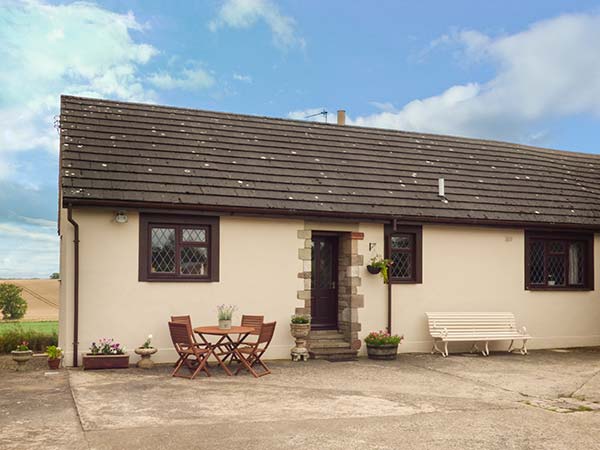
21 358
53 363
94 362
146 362
225 324
382 352
373 270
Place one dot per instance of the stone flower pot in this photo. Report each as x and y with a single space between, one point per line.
21 358
225 324
300 332
146 362
382 352
53 363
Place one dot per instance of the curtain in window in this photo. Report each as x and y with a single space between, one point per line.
575 263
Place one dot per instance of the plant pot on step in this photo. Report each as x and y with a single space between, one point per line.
53 363
21 357
146 362
382 352
224 324
374 270
300 332
100 361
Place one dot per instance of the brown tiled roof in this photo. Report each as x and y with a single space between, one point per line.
116 153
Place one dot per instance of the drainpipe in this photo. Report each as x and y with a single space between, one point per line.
75 283
389 308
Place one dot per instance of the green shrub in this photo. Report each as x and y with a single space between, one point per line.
12 304
14 336
301 318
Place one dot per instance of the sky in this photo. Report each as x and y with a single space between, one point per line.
526 72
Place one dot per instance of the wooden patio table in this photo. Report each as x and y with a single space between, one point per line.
224 342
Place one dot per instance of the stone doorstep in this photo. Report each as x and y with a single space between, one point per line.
325 335
339 354
328 344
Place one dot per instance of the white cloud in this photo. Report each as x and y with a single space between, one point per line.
548 71
190 80
46 50
35 255
246 13
383 106
241 77
16 231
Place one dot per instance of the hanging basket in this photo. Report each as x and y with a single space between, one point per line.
373 269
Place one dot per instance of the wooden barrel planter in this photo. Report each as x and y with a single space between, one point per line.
382 352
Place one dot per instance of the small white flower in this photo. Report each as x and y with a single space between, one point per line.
149 336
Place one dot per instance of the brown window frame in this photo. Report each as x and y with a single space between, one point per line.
534 236
210 224
416 235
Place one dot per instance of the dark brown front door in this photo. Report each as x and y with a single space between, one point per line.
324 295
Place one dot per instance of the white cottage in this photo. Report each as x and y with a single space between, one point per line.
169 211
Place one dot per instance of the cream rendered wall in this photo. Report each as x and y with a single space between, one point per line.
464 269
482 269
259 269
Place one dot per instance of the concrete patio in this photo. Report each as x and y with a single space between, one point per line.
547 400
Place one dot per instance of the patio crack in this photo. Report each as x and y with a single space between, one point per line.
573 394
77 412
471 380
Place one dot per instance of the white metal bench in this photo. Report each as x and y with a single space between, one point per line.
475 327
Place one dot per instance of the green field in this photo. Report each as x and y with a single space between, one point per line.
42 327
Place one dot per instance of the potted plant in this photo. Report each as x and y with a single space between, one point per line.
300 328
106 354
382 345
145 351
21 355
380 265
54 356
224 314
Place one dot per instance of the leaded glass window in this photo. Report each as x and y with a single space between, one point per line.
402 254
179 251
557 262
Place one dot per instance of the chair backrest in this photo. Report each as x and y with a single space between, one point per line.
255 322
186 320
266 333
182 319
181 334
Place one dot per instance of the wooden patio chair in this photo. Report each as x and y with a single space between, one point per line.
255 322
250 354
191 354
184 319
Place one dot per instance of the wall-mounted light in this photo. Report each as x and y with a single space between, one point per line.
121 217
372 245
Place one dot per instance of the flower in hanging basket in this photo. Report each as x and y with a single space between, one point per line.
380 265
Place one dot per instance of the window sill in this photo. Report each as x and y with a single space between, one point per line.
559 289
405 282
178 280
